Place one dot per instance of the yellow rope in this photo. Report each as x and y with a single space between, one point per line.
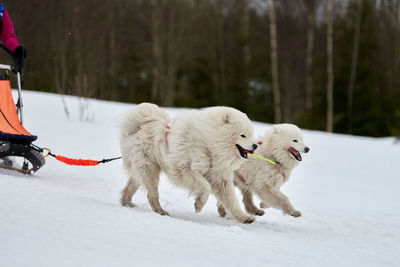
261 157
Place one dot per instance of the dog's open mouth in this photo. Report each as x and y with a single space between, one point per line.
296 154
243 152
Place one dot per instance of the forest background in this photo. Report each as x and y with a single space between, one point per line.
322 64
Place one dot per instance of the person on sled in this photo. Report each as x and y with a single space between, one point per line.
8 37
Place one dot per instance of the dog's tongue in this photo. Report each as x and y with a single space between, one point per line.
295 153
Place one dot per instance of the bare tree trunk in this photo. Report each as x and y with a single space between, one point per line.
274 63
169 97
309 60
217 50
329 89
157 71
354 60
59 46
220 54
245 47
245 33
112 47
170 75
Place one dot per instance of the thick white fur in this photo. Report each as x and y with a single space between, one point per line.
265 179
198 154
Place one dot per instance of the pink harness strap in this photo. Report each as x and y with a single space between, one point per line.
240 176
166 130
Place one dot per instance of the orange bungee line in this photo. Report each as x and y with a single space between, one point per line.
77 162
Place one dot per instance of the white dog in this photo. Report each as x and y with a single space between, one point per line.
198 151
283 145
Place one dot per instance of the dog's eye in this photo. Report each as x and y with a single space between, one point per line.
243 136
295 141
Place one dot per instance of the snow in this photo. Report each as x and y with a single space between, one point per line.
346 188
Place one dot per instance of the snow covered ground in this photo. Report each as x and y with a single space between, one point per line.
347 189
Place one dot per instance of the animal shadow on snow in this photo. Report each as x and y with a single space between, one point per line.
261 224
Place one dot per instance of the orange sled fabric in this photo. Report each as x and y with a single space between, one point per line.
10 127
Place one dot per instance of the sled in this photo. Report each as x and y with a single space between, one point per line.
15 140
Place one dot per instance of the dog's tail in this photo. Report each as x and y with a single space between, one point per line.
142 114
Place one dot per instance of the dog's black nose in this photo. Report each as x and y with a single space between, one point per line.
306 149
255 146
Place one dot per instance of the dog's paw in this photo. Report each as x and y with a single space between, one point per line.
128 205
259 213
247 219
295 213
163 213
198 205
221 211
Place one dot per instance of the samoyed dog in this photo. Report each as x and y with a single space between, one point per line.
283 145
198 150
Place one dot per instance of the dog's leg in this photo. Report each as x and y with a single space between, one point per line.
199 186
149 174
200 201
151 183
264 206
249 204
202 195
276 199
128 192
247 195
224 191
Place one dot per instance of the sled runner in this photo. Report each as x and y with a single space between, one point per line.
15 140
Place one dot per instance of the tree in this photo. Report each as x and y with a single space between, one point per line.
274 62
329 89
310 7
220 74
245 41
157 64
354 60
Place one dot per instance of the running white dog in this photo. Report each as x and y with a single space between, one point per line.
198 151
283 145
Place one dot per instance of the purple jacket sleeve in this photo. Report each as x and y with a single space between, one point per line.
7 35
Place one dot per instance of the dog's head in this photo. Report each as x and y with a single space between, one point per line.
242 134
286 141
235 132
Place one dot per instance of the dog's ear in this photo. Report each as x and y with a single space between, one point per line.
226 118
